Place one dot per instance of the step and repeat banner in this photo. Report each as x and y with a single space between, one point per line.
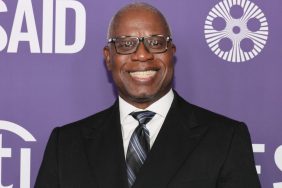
52 72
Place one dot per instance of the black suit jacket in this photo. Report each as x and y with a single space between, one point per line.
195 148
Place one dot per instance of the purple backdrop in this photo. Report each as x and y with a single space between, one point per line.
45 83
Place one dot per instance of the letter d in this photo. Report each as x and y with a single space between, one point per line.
60 30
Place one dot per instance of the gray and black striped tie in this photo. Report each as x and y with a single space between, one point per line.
139 145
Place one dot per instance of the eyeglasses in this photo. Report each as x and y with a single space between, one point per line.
128 44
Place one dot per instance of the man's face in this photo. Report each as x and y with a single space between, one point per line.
141 77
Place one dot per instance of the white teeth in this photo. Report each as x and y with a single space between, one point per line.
143 74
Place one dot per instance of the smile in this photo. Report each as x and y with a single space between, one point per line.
143 74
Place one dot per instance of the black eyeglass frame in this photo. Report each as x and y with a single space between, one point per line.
140 39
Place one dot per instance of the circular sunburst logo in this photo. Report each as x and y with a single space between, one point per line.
236 30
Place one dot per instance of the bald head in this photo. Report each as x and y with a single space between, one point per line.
136 9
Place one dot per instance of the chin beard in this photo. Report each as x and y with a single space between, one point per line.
144 99
147 98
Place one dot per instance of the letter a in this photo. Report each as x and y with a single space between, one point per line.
24 10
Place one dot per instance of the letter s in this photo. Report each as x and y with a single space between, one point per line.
278 157
278 161
3 34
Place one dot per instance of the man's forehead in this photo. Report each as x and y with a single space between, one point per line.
139 20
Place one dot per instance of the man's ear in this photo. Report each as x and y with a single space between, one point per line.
107 58
173 47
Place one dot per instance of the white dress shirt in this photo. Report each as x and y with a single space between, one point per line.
128 123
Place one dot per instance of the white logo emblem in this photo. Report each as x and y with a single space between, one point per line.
236 30
25 153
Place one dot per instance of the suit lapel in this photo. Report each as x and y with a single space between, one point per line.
179 135
104 148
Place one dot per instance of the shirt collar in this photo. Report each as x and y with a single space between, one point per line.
160 107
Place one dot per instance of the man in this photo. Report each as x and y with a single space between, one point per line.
150 137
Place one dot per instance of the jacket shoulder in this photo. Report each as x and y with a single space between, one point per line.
93 122
206 117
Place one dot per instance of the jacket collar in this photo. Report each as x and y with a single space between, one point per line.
104 149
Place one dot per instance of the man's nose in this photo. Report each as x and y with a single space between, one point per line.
142 53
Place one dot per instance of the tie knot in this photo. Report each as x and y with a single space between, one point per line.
143 117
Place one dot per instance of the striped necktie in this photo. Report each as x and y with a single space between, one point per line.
139 145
